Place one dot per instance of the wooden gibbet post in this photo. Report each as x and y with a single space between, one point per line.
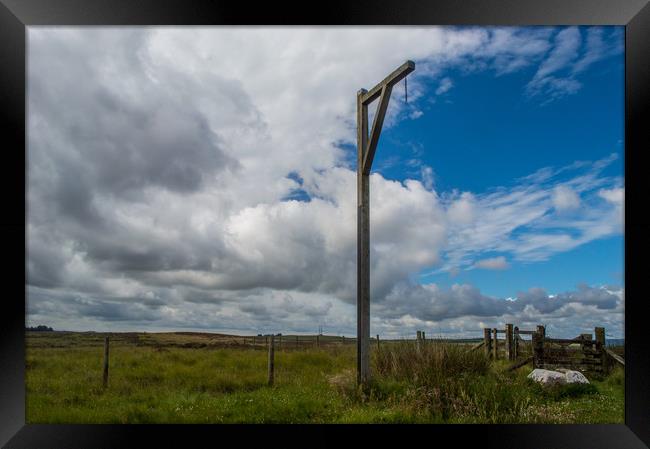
495 344
541 330
377 342
105 377
318 341
366 147
271 361
487 340
509 342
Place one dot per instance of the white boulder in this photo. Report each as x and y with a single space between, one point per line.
575 377
549 377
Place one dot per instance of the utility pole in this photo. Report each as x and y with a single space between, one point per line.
366 146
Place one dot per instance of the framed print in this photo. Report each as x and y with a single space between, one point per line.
420 217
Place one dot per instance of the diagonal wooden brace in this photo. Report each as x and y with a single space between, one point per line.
378 122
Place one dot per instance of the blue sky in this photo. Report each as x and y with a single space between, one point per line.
486 132
205 179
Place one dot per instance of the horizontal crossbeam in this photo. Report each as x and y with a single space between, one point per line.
392 79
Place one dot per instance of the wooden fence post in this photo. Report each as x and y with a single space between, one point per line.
516 342
318 341
377 342
583 338
538 349
423 337
271 361
105 361
599 332
541 330
509 345
487 341
495 344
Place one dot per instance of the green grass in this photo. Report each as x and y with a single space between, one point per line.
161 381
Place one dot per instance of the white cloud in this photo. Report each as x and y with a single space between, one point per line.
567 43
564 198
615 196
556 75
427 177
156 197
598 47
445 85
463 309
494 263
462 210
522 220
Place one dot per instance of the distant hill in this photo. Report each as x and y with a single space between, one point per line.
615 342
40 328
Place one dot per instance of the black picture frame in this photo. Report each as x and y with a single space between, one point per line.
16 15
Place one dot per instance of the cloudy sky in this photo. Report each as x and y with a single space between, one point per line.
204 178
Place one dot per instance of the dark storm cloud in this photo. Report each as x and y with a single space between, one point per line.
428 302
289 304
111 311
106 126
45 264
540 300
113 126
254 309
593 296
102 308
432 303
198 296
585 295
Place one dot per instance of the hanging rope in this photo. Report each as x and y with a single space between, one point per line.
406 92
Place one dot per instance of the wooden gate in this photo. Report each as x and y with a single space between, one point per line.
581 353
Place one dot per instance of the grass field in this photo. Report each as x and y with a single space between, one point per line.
204 378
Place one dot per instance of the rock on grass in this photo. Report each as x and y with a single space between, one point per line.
549 377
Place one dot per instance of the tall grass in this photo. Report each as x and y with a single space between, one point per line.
155 383
447 382
441 382
430 362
